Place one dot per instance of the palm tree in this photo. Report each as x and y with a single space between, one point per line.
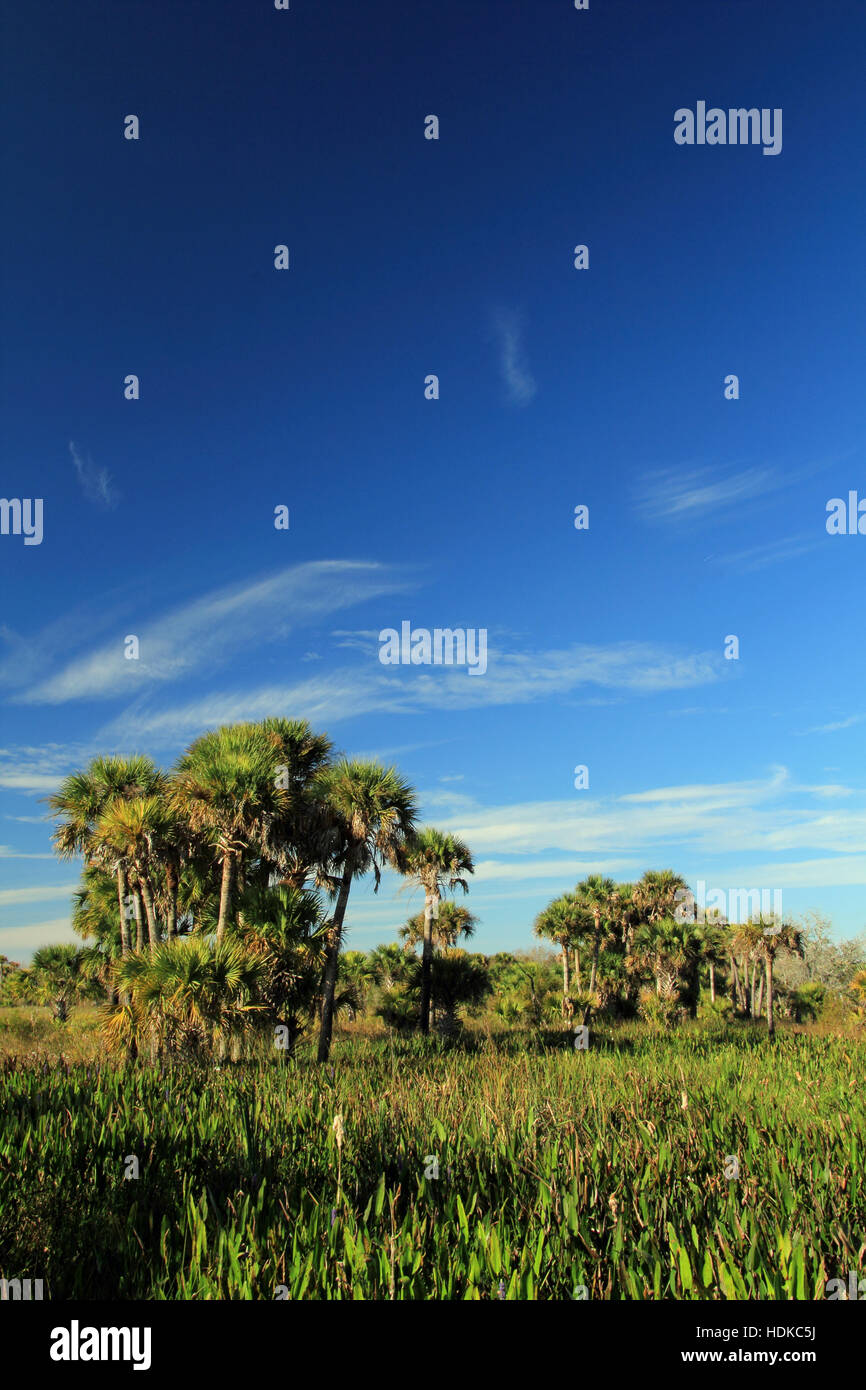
189 995
284 928
439 862
655 894
82 799
764 938
564 921
299 834
94 916
459 980
450 923
712 935
599 896
389 966
374 812
61 974
130 834
670 949
225 787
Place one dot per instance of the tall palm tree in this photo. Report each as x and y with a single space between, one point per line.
226 787
81 800
564 921
374 813
129 833
599 895
299 835
439 862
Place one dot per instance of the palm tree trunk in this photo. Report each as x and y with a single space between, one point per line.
771 1022
147 896
577 966
566 984
225 893
431 903
171 883
712 983
595 950
752 990
760 998
139 918
121 895
332 958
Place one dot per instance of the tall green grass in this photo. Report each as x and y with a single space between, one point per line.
556 1169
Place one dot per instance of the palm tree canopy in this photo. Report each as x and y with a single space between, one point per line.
225 784
438 860
375 811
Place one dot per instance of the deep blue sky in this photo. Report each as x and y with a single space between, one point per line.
558 387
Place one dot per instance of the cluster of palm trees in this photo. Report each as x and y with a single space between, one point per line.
205 886
629 932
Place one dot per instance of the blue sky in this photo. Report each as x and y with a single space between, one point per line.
558 387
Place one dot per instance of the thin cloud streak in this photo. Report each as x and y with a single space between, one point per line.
96 483
511 679
519 382
209 631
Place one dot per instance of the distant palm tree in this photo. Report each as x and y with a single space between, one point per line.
459 980
439 862
670 950
599 895
764 938
565 921
225 787
61 975
451 922
374 812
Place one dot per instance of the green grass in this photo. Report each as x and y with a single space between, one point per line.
556 1169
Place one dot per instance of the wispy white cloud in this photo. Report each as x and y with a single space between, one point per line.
20 942
96 483
770 816
206 633
684 495
6 852
511 678
836 725
15 896
514 369
758 557
30 769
